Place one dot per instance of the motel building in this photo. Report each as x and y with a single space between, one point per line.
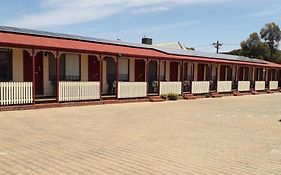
38 66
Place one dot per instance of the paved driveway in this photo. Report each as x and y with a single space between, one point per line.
231 135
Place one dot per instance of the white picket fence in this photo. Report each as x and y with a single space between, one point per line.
273 85
170 87
200 87
132 89
224 86
259 85
244 86
78 91
13 93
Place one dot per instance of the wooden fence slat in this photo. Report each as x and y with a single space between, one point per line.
14 93
78 91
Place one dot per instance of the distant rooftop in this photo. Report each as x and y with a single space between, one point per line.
172 45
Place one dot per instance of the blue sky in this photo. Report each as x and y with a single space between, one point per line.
192 22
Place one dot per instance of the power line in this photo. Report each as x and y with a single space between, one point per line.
231 44
203 46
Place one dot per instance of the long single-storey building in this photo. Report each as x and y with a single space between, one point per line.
38 65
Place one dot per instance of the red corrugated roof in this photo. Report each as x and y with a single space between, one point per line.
20 40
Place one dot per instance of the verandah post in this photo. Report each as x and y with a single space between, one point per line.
33 54
182 77
117 75
57 75
267 77
146 75
101 74
192 76
159 77
210 76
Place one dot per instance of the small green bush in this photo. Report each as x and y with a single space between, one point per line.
173 96
164 96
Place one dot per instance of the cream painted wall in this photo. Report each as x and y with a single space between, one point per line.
234 72
72 64
214 70
205 73
195 71
219 72
17 65
123 66
84 67
48 88
167 70
132 70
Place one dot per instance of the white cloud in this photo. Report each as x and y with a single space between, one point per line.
64 12
150 30
151 10
262 13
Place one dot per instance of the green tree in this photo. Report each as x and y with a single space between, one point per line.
271 34
263 46
253 47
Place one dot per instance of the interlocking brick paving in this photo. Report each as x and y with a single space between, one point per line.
231 135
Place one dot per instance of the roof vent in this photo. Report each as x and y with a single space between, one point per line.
146 40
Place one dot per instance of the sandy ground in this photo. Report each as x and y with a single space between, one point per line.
231 135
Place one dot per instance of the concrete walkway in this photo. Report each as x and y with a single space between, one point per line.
231 135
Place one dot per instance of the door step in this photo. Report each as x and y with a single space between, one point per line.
108 97
237 93
189 97
269 91
255 93
216 95
156 99
42 100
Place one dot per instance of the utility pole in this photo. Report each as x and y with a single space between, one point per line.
217 45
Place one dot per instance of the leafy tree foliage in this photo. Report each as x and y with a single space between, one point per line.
271 34
263 46
253 47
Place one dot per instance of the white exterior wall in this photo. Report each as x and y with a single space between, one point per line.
17 65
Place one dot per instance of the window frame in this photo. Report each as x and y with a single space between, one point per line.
9 77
